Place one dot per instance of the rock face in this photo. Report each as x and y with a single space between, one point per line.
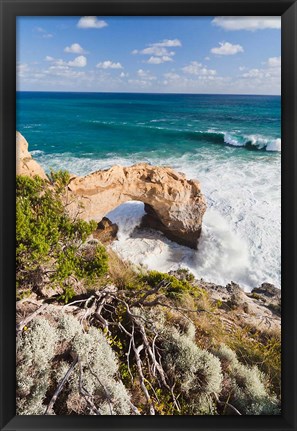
106 231
260 308
25 164
174 205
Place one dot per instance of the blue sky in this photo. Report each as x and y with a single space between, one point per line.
232 55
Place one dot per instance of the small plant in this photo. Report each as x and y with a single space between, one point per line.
184 273
175 288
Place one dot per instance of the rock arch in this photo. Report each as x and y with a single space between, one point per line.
173 204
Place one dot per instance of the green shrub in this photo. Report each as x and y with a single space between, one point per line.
49 244
59 179
175 288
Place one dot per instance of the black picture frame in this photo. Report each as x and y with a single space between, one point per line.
10 9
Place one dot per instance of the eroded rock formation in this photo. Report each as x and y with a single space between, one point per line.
25 164
174 204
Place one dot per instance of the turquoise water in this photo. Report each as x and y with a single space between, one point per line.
231 144
128 123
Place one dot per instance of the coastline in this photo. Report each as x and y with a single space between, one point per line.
82 304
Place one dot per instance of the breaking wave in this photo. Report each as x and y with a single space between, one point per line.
250 142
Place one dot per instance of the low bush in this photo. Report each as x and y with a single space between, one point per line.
175 287
35 350
49 244
248 387
45 352
197 370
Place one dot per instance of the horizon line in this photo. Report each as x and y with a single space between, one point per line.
139 92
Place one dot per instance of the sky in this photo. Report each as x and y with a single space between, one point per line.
219 55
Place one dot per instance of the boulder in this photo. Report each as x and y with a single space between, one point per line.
106 231
269 295
267 290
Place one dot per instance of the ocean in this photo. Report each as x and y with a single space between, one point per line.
231 144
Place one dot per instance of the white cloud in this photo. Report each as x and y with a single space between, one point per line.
22 69
79 61
44 33
169 42
154 50
195 68
226 48
159 49
75 48
123 75
91 22
254 73
63 71
144 79
266 79
274 61
145 75
107 64
207 58
250 23
142 83
172 76
47 35
159 60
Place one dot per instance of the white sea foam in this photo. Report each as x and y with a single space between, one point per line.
36 153
240 239
240 140
159 120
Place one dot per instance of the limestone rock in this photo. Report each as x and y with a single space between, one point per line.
106 231
267 290
25 164
174 205
269 295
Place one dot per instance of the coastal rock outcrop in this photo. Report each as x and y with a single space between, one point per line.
25 164
174 204
106 231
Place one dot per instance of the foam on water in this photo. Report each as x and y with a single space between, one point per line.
256 141
240 239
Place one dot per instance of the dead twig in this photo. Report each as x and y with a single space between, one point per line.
28 319
60 386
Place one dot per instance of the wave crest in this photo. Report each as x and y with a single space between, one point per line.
250 142
253 142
